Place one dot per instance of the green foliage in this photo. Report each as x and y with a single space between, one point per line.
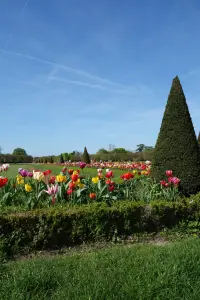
19 151
57 227
177 148
140 148
102 151
15 159
119 150
86 157
61 159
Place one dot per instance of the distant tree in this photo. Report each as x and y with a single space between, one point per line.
51 160
19 151
86 157
61 160
140 148
65 156
177 147
148 148
102 151
119 150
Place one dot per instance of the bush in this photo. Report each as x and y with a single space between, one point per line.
57 227
177 147
86 157
8 158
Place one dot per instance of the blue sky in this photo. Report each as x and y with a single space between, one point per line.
77 73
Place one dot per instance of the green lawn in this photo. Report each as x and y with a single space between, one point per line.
145 272
55 170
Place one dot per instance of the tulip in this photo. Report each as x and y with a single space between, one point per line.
38 175
3 181
71 185
109 174
74 177
20 180
169 173
28 188
92 196
111 188
52 180
64 170
69 191
174 180
23 173
81 185
30 174
163 182
95 179
82 165
5 167
47 172
70 171
52 190
61 178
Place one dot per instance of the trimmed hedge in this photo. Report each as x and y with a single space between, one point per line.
57 227
177 147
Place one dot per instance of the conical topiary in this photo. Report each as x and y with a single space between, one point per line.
86 157
61 160
198 139
177 147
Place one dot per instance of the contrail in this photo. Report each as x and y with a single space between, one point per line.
93 86
63 67
24 7
11 35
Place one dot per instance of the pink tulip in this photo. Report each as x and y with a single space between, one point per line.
169 173
52 190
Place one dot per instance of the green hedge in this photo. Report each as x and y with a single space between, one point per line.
57 227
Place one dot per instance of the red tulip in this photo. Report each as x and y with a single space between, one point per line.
52 180
47 172
70 171
3 181
69 191
109 174
163 182
111 188
71 185
74 177
92 196
127 176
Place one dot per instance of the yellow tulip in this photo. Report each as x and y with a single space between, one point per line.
77 182
28 188
61 178
75 172
95 179
81 185
144 172
20 180
135 171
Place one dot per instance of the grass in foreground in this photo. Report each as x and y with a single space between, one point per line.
168 271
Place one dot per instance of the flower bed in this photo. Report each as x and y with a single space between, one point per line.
39 189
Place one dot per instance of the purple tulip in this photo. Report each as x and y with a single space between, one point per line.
23 173
30 174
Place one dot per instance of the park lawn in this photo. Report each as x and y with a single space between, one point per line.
11 173
148 271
